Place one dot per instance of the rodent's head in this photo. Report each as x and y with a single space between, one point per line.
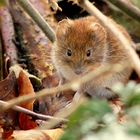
81 45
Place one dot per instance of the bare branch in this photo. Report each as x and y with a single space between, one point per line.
90 8
74 85
31 113
127 7
27 6
65 112
8 35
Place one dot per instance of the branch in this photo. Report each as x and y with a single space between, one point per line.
127 7
27 6
31 113
65 112
74 85
8 35
90 8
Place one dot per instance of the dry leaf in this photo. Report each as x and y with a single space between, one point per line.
53 134
7 92
8 87
25 87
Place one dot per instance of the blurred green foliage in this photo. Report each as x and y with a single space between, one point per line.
136 2
131 25
87 118
95 121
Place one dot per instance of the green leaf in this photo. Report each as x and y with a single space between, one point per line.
133 101
130 93
133 129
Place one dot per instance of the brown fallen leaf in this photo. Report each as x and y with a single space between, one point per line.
53 134
25 87
8 87
7 92
7 133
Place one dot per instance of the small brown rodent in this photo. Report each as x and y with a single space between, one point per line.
85 44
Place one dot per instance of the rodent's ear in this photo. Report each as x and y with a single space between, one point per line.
65 22
98 32
62 27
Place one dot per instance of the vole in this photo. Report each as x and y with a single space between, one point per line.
83 45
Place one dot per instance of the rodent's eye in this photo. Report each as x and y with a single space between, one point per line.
88 53
69 52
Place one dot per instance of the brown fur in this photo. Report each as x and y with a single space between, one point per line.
88 33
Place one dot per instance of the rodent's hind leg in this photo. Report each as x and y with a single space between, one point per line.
79 94
76 98
102 93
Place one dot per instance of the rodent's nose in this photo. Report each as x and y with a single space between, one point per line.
78 71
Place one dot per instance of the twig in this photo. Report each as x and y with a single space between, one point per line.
127 7
27 6
64 113
31 113
8 35
74 85
90 8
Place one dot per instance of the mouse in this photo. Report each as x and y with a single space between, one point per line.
84 45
